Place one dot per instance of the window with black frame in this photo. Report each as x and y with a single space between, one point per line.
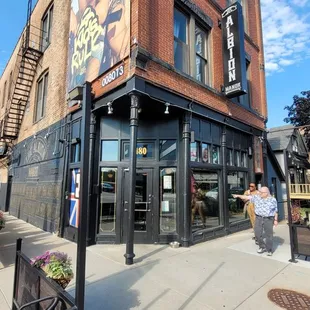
75 153
181 47
108 191
168 203
188 57
236 185
205 207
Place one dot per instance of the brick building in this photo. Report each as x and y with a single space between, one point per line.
158 91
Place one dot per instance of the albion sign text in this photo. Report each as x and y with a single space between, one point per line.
235 83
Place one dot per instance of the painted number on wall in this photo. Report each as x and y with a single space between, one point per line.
141 151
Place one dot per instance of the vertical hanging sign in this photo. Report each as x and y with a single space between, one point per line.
235 83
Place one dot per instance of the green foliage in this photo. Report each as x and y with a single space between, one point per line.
299 113
56 265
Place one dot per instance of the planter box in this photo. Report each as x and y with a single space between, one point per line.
31 284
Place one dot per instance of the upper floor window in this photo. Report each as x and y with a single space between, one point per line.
41 97
181 48
201 55
244 12
190 47
47 21
4 95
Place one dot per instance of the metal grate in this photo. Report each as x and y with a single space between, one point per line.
288 299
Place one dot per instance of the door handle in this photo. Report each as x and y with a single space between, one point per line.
125 202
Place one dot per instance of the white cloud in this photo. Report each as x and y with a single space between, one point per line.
286 29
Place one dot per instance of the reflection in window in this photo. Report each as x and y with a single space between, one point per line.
236 185
243 159
168 200
194 151
181 49
205 152
237 158
215 154
229 157
167 149
205 200
109 150
108 177
201 57
75 153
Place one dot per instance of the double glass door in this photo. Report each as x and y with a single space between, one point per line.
144 206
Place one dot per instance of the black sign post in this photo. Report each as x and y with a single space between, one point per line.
235 82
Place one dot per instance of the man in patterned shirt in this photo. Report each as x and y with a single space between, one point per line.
266 211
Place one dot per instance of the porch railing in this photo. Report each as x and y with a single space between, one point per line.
300 191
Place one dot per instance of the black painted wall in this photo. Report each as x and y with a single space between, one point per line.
37 173
3 188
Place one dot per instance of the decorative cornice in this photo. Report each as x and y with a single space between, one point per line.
198 11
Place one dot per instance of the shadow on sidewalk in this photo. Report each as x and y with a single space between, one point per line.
277 242
116 291
35 241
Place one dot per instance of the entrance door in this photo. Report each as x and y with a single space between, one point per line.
143 206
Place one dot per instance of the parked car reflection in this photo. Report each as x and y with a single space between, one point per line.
107 187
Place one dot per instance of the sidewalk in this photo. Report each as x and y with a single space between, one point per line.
225 273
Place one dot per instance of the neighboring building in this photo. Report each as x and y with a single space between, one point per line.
158 90
291 152
276 182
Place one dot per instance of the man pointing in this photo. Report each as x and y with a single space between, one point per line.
266 211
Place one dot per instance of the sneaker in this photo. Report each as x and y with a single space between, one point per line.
269 253
261 250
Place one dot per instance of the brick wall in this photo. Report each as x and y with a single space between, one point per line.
152 28
54 60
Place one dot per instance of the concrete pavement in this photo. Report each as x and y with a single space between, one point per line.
225 273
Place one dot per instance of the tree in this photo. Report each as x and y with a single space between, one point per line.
299 114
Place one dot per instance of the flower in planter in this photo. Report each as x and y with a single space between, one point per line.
2 220
56 265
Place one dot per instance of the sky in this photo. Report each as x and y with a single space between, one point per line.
286 30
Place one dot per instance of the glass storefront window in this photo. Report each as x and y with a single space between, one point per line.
205 152
108 184
75 153
109 150
243 159
205 200
167 150
144 150
236 185
215 154
168 200
237 158
229 157
194 151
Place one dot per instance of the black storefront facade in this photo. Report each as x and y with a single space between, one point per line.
181 147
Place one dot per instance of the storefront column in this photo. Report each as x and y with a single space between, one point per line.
91 214
224 181
186 195
129 255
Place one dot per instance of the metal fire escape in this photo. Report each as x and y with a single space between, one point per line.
30 52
